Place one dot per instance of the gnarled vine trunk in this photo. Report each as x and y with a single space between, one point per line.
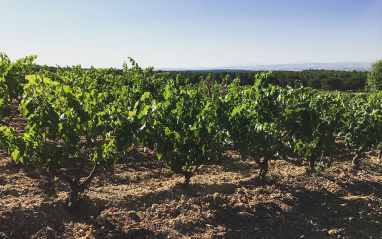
263 166
75 186
356 158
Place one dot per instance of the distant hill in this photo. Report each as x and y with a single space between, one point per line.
344 66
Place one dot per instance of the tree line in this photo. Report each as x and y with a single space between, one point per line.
317 79
329 80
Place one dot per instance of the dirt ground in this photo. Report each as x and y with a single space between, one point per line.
141 198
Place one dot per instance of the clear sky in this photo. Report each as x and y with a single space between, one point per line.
191 33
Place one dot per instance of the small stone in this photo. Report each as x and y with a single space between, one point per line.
333 232
211 205
134 216
167 173
50 232
13 192
177 223
174 212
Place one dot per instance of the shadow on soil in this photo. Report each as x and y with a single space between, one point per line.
306 213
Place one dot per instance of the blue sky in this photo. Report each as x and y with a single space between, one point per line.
191 33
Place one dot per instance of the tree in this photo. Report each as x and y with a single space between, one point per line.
331 83
314 83
374 78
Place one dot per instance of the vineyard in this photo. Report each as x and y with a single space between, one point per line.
93 154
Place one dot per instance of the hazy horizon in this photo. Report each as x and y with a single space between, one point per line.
293 66
192 34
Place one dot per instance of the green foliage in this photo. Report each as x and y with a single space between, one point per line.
331 83
374 78
310 121
314 83
4 94
362 121
253 121
71 121
340 80
62 120
79 117
183 127
12 80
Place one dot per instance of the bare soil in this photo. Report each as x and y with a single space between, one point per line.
141 198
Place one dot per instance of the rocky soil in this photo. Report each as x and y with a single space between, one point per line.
141 198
